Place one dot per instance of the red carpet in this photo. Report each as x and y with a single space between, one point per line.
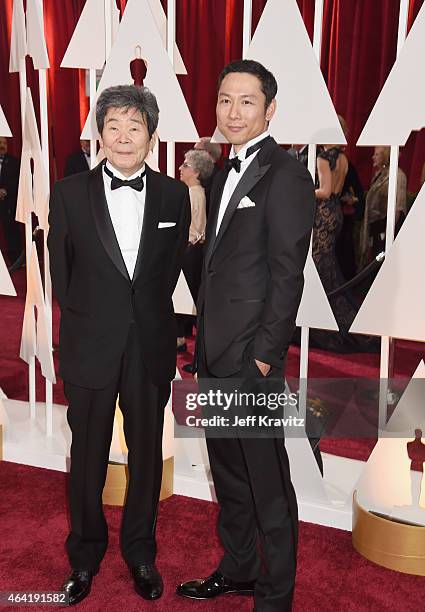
14 372
33 526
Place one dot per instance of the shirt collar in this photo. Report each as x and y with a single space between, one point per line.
242 152
121 176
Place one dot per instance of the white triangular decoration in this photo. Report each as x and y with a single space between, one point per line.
86 48
33 190
28 38
36 42
138 28
6 285
397 113
182 298
161 23
314 309
394 305
35 338
4 126
18 43
385 483
4 419
305 113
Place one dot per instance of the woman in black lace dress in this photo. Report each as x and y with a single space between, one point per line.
332 166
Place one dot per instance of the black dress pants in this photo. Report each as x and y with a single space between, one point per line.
90 417
258 519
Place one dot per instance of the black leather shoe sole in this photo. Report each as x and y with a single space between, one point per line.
246 593
76 600
140 592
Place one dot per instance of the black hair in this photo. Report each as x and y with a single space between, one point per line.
266 78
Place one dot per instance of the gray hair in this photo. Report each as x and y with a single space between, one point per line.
200 162
126 97
213 148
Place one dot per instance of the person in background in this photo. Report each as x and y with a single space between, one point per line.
79 161
375 217
352 203
9 182
214 151
196 168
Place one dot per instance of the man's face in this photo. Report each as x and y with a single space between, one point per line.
241 112
3 145
125 139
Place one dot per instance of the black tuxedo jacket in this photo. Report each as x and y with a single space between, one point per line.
97 298
9 180
76 162
253 270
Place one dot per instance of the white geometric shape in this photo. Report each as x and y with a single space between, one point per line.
4 126
33 191
385 484
2 394
4 419
409 413
35 338
161 23
6 285
396 114
86 49
152 161
18 43
182 298
36 42
394 305
314 309
138 28
305 113
218 137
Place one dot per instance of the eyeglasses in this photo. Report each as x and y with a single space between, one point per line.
186 165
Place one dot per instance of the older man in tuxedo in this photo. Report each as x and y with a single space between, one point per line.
257 239
117 238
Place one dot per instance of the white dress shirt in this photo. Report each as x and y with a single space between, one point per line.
234 177
126 208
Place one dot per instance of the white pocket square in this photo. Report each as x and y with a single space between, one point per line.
246 203
163 224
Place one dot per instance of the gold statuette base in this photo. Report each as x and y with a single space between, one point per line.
389 543
116 482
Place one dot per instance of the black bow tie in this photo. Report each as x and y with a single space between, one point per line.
136 183
235 162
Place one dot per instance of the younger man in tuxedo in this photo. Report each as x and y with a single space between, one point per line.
257 239
117 238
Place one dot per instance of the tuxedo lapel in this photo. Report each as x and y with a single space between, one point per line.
150 219
102 220
215 199
255 171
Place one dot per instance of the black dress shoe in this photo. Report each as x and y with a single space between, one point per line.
147 581
77 586
214 585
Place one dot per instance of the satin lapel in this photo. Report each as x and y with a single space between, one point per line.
215 200
150 219
102 219
248 181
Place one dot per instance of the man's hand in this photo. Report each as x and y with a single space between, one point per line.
3 193
263 367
